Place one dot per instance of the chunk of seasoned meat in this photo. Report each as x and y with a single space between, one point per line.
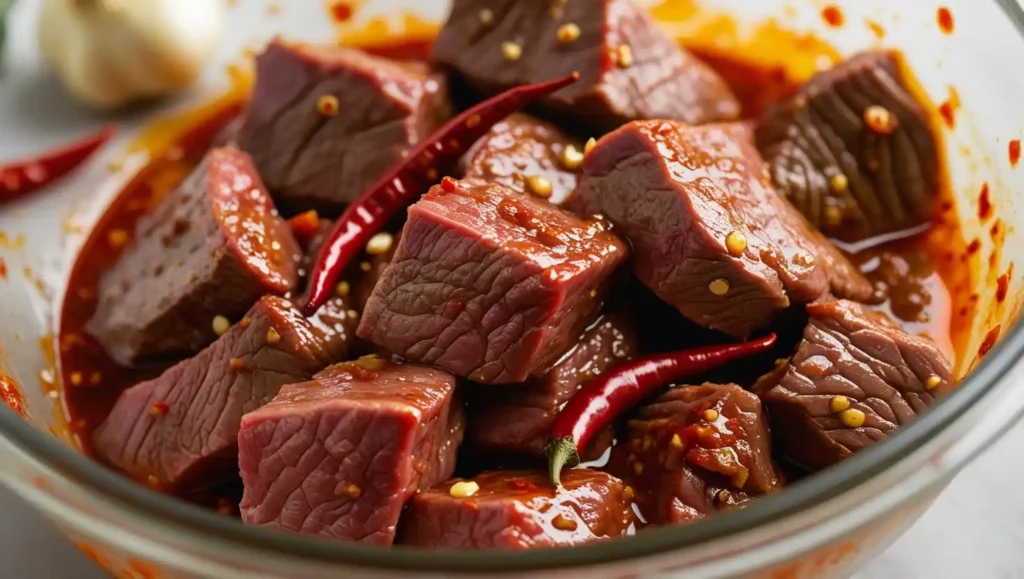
517 421
518 510
696 450
339 455
709 235
325 122
178 432
489 283
854 379
212 247
526 154
629 68
853 150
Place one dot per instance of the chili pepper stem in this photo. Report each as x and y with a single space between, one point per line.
561 452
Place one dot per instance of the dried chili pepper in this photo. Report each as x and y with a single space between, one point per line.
20 178
410 178
600 400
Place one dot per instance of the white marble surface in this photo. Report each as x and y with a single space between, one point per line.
975 529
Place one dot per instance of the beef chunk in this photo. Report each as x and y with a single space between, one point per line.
850 180
518 510
178 432
521 148
339 455
212 247
517 421
696 450
325 122
855 378
709 234
630 69
490 284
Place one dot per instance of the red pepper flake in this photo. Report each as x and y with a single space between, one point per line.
832 15
3 269
448 185
994 231
341 12
159 408
948 109
945 19
984 203
974 246
472 506
305 225
990 340
1002 287
1014 152
993 259
11 394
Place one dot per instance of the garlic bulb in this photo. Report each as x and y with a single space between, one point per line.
112 52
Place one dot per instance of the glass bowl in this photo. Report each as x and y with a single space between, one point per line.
822 526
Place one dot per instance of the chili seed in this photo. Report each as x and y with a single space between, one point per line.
638 468
852 417
272 336
370 362
352 314
236 363
838 403
568 33
464 489
711 415
563 523
220 325
624 56
348 490
76 378
593 294
933 382
380 243
159 408
472 122
327 105
572 158
627 493
719 287
245 322
511 51
486 17
833 216
365 266
342 289
736 243
591 143
839 182
117 238
879 119
539 186
676 441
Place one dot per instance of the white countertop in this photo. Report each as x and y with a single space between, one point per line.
975 529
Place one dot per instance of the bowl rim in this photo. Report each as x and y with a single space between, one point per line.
803 495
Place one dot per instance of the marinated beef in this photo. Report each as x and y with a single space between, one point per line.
178 432
489 283
694 451
855 378
629 68
212 247
324 122
516 422
709 234
526 154
339 455
518 510
853 150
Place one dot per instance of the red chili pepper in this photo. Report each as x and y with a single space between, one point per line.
410 178
20 178
600 400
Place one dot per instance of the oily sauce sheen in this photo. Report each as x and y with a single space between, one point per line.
905 270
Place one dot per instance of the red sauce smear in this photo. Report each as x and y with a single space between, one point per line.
990 340
833 16
984 204
945 19
1014 152
341 12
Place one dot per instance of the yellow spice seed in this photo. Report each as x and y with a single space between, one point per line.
380 243
933 382
593 294
624 56
676 441
879 119
563 523
591 143
117 238
327 105
568 33
342 289
839 182
852 417
539 186
511 51
719 287
833 216
736 243
572 158
245 322
220 325
638 468
76 378
370 362
838 403
348 490
272 336
723 496
711 415
464 489
365 266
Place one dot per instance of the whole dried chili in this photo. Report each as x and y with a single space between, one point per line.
600 400
20 178
407 180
